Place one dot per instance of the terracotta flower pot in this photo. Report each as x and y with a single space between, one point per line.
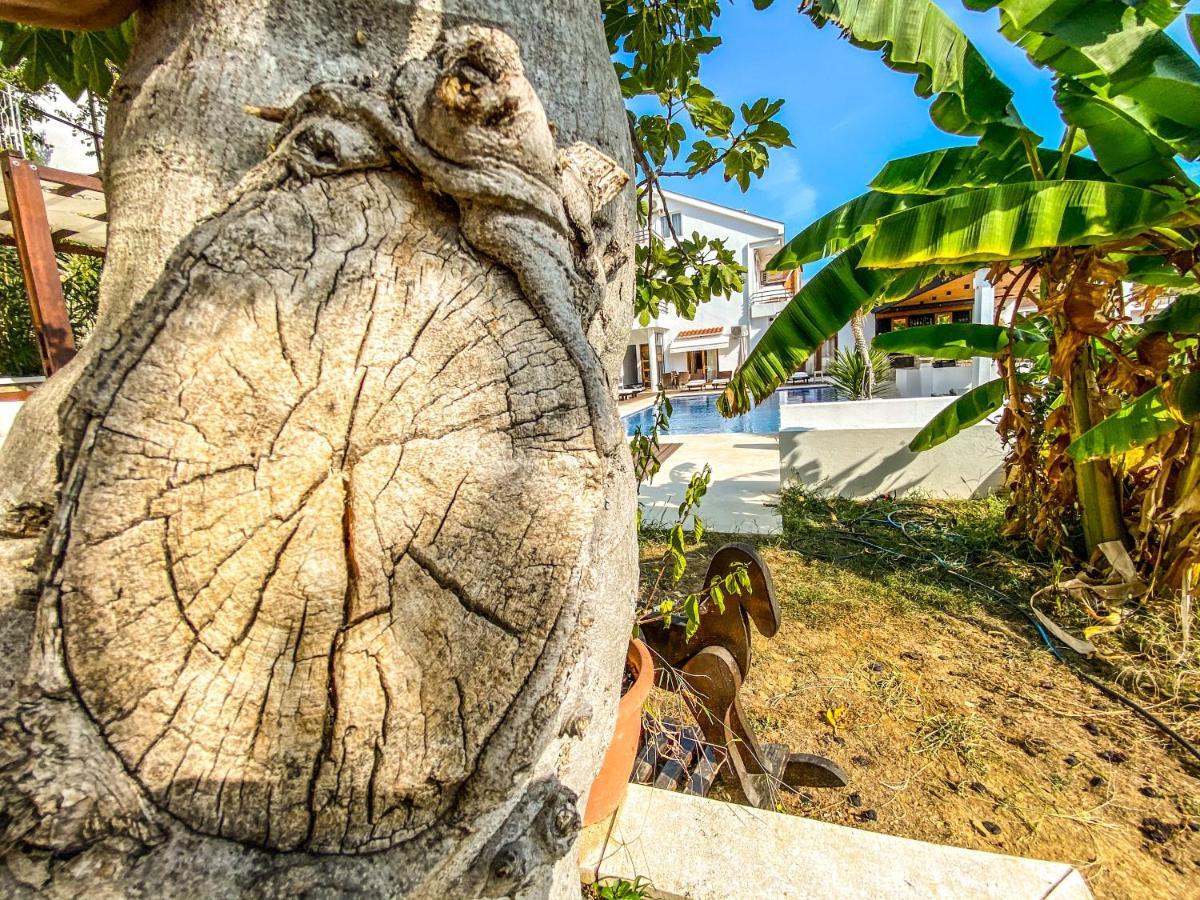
608 790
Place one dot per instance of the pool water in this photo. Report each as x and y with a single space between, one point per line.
698 415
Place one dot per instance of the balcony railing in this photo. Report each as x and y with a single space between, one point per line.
769 300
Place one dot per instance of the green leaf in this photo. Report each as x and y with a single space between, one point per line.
1015 221
839 228
905 282
691 607
960 341
916 37
1157 412
964 168
46 54
1193 26
73 61
1125 150
973 406
822 306
717 595
1119 50
1154 270
1181 317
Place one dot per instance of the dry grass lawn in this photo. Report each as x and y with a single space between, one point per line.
957 725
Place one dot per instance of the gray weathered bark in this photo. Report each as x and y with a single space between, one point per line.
337 581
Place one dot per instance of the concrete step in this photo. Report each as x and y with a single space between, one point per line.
696 848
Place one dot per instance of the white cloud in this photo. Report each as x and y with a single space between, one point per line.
791 197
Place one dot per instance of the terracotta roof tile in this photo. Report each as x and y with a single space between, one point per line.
699 332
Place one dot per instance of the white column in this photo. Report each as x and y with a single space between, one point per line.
653 348
983 369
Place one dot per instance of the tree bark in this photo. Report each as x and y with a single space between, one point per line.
338 563
864 352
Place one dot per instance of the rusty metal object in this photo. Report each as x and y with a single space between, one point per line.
709 669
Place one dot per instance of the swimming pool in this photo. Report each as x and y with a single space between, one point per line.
698 415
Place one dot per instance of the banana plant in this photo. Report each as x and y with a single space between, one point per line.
1068 224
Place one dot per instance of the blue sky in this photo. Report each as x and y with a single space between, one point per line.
848 113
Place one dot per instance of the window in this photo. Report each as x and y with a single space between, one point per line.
664 228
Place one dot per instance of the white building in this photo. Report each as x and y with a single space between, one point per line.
719 338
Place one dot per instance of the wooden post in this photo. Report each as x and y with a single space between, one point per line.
35 248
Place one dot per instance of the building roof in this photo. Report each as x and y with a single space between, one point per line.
699 332
726 210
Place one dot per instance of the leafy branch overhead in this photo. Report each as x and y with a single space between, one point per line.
1063 228
74 61
682 130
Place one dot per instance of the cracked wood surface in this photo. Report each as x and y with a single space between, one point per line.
325 503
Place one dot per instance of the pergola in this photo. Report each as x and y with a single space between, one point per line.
45 211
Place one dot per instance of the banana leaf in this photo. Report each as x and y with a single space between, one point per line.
961 341
906 282
1120 50
1124 149
916 37
1015 221
973 406
1181 317
838 229
963 168
1155 271
1157 412
821 307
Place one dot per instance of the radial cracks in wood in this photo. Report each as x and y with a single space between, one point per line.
466 120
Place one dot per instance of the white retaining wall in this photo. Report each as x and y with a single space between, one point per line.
860 450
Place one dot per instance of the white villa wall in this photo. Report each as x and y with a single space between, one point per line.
742 233
845 337
927 381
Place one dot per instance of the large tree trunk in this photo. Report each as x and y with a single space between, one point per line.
337 580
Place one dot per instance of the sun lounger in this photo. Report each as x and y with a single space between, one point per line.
696 382
722 379
628 391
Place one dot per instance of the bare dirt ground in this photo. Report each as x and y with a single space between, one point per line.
954 722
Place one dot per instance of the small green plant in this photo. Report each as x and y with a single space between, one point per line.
851 374
659 601
644 446
619 889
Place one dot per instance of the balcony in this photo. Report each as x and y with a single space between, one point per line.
769 300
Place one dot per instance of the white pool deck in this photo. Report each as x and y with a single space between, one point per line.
744 489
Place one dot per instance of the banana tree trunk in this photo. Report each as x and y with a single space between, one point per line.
337 563
1099 503
864 351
